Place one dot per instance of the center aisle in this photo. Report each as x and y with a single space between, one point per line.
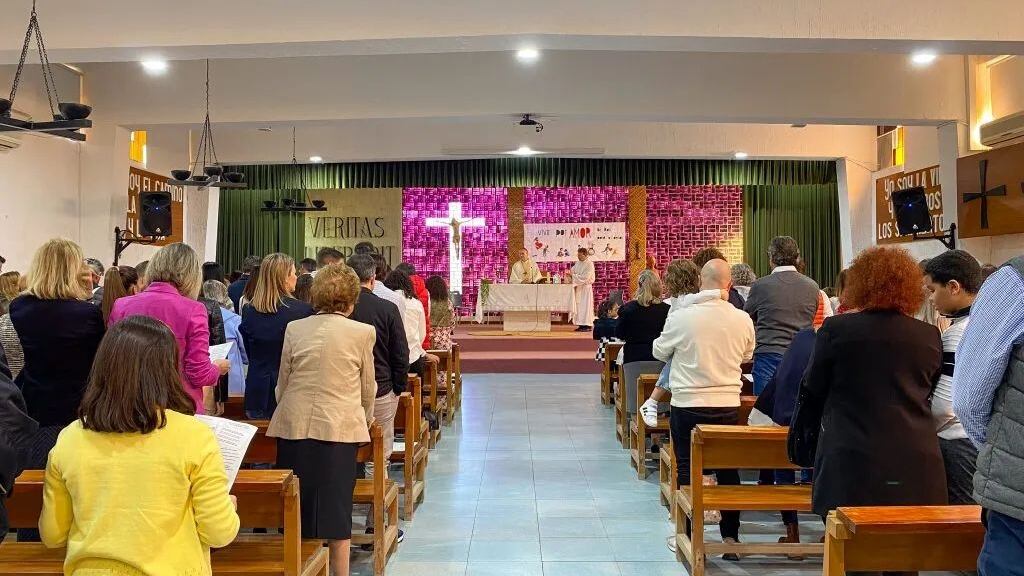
529 481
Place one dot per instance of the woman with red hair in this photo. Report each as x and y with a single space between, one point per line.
872 372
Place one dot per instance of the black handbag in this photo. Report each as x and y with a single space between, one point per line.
804 430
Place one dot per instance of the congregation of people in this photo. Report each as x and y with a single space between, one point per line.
100 370
909 374
912 372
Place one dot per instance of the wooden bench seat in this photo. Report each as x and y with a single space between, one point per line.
714 447
609 375
667 472
266 499
640 433
414 452
382 494
436 398
750 497
903 538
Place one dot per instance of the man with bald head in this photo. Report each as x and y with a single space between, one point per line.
706 343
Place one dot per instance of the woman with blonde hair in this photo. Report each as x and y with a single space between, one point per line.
174 277
59 333
640 323
264 320
8 289
326 392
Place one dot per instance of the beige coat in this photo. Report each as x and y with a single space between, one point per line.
326 386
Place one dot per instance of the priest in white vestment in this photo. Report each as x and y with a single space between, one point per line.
583 278
524 271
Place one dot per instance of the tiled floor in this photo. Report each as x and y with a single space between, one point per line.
529 481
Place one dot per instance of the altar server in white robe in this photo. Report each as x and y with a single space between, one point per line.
583 278
525 270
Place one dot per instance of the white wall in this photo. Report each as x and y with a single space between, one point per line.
1007 86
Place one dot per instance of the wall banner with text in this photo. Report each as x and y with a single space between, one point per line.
142 181
885 217
605 241
357 215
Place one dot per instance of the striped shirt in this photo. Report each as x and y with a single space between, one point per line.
996 328
946 423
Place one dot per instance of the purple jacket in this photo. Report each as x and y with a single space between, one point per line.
187 320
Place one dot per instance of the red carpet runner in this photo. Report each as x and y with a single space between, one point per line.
486 350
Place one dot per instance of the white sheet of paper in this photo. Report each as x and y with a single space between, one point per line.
749 378
233 438
220 351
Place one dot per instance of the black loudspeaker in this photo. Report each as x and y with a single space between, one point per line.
911 208
155 214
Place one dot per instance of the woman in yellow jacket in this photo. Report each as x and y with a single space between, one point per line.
136 486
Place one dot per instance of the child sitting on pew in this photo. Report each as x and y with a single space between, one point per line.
137 485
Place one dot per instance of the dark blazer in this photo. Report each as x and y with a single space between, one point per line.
263 337
639 326
391 350
16 430
235 290
605 328
874 371
60 338
786 381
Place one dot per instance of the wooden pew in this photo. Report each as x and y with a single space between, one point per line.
639 432
435 398
266 498
262 449
903 538
234 408
382 493
443 380
667 472
609 375
413 453
621 416
735 447
457 374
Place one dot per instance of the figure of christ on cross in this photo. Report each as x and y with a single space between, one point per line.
454 222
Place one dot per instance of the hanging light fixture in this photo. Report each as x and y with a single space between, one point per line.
68 117
205 169
289 204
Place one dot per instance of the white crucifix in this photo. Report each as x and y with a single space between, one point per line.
454 222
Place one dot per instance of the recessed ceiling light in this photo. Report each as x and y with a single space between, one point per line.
527 54
154 66
525 151
923 58
740 155
316 159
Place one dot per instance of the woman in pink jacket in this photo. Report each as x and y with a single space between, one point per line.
174 278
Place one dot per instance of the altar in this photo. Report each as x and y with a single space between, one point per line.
525 307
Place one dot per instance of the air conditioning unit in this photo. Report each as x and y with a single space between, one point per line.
1003 130
8 143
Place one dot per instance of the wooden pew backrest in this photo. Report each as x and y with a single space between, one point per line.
746 447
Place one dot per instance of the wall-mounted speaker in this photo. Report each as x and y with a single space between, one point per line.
155 214
911 208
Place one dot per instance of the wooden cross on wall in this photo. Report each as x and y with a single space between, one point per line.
985 193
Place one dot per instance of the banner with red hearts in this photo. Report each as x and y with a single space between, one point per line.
604 241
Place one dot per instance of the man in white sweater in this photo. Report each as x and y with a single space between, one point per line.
706 343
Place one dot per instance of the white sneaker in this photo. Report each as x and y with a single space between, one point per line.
649 412
671 542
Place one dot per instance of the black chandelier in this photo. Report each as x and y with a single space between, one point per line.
68 117
205 170
289 204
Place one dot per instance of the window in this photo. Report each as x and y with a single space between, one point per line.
137 149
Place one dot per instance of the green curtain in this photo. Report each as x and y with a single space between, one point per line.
515 172
809 213
243 229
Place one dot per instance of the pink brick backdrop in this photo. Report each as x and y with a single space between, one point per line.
683 219
484 249
582 204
